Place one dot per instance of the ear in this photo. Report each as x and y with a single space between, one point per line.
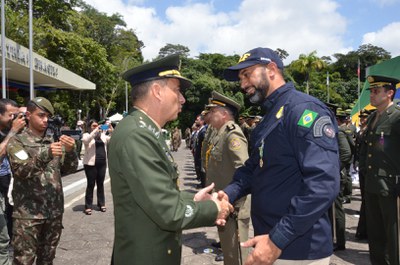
157 90
28 115
391 93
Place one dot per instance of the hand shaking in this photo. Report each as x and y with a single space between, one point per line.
222 202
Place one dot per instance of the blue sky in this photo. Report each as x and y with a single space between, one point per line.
235 26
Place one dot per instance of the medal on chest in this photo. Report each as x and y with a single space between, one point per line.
261 153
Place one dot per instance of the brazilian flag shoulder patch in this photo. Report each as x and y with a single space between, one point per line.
307 119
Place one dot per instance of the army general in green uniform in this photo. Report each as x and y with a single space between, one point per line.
150 211
382 164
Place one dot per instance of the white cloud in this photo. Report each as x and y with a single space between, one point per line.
387 37
296 26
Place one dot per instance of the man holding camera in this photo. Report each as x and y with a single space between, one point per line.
36 161
11 122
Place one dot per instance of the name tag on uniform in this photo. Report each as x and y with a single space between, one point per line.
22 155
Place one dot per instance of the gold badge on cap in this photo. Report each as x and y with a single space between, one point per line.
244 57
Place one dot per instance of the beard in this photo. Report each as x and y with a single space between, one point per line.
260 90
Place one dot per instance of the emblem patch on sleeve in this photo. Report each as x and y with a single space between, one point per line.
323 126
234 144
189 211
307 119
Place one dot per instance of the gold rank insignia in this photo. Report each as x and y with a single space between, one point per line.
279 114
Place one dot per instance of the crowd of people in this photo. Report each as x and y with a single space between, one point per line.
285 170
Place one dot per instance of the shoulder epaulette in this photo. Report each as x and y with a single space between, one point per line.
231 127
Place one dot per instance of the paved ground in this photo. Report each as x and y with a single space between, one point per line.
89 239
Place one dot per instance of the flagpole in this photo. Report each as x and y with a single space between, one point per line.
31 91
358 88
3 50
327 85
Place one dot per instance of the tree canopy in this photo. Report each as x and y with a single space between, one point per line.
100 48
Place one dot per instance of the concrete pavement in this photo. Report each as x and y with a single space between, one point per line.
89 239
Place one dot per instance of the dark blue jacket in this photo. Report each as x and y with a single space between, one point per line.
292 174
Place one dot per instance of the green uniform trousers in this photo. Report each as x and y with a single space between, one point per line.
381 215
36 239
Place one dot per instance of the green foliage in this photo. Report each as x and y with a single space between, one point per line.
173 49
55 13
100 48
366 54
307 64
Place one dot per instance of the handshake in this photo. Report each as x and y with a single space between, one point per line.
220 199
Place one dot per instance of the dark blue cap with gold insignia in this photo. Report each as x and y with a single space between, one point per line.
382 81
167 67
219 100
250 58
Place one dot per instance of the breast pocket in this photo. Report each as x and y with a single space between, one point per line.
384 130
216 154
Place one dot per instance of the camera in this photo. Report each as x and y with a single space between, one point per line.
19 114
104 127
54 127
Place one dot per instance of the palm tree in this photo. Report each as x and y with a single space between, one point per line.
306 64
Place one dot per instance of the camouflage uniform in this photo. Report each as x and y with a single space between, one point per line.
4 238
38 196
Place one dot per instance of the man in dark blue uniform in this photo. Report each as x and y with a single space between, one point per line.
200 172
293 170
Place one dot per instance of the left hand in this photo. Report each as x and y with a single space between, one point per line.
68 143
265 251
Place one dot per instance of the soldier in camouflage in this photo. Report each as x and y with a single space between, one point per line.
37 161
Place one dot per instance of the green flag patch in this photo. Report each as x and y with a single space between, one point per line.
307 119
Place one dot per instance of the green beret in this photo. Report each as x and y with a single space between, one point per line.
167 67
44 104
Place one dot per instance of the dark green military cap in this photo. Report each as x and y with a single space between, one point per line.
382 81
167 67
44 104
219 100
331 106
341 113
364 113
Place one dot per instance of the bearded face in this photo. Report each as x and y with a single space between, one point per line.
260 90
